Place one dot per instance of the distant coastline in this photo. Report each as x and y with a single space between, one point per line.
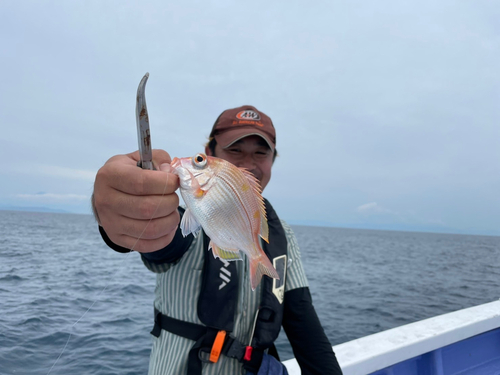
34 209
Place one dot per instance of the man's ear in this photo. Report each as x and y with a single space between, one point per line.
207 151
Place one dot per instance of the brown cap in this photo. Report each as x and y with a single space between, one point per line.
237 123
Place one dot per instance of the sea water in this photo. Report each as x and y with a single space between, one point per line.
71 305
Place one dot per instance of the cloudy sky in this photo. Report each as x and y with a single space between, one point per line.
387 112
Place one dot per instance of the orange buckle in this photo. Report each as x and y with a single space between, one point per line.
217 346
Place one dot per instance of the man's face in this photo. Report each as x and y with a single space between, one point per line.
252 153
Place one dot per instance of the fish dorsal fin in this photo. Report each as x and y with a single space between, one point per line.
189 224
255 186
224 254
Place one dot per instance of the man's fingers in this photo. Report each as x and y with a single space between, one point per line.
130 179
129 231
153 183
150 207
144 207
150 229
159 157
140 207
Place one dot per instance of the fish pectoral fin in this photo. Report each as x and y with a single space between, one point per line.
255 185
189 224
199 193
224 254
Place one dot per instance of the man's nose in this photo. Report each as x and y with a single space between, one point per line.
247 162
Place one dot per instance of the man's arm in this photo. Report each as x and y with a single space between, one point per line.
311 347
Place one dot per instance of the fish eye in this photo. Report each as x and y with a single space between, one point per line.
200 160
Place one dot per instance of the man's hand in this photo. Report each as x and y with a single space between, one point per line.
137 208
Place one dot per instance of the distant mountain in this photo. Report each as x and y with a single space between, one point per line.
399 227
33 209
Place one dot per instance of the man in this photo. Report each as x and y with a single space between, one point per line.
207 318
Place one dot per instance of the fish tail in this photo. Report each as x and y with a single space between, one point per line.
260 266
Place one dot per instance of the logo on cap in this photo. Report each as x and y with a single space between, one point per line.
248 115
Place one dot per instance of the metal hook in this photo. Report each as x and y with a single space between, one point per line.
143 132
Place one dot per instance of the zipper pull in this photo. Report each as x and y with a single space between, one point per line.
249 348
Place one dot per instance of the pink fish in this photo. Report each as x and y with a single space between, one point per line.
226 202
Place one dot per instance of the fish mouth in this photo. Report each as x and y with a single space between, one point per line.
175 162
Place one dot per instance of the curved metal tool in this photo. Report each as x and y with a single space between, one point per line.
143 133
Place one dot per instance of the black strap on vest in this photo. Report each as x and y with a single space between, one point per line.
202 335
270 315
217 307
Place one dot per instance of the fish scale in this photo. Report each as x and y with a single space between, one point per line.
232 219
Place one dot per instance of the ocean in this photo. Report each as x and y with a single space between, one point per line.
71 305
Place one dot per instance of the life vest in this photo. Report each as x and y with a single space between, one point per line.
217 307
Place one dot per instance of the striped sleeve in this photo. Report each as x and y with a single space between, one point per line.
296 277
164 267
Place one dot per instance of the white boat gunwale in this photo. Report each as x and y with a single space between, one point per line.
380 350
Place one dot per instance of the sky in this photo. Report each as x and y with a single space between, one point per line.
387 113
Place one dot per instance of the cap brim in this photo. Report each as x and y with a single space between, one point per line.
229 137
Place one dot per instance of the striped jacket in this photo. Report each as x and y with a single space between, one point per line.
177 291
